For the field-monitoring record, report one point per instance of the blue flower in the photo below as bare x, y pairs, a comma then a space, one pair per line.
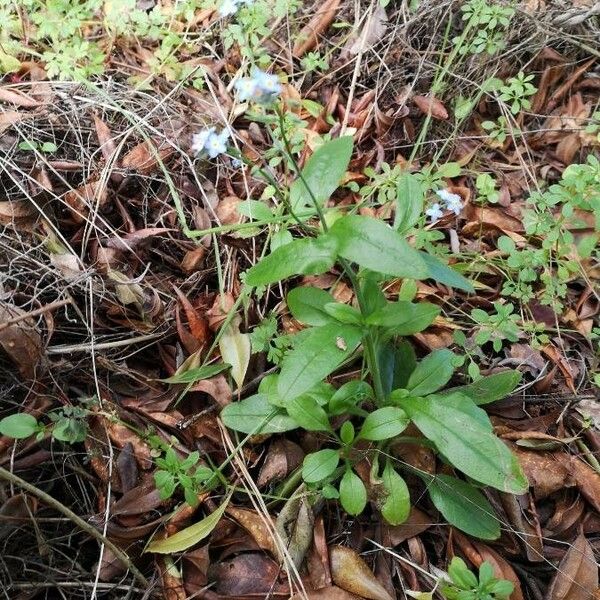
434, 212
453, 201
261, 87
217, 143
199, 140
228, 7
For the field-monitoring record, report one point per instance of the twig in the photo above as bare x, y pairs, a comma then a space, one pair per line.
34, 313
90, 529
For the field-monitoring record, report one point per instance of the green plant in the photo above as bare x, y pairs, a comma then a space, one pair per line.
489, 22
498, 327
593, 127
45, 147
313, 61
486, 189
68, 424
174, 473
498, 130
516, 91
364, 418
464, 585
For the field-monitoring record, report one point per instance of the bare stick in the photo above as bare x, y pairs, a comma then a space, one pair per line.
35, 313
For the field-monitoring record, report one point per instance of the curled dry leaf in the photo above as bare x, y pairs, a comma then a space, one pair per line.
577, 574
350, 572
295, 525
18, 213
145, 157
283, 457
255, 525
21, 340
373, 30
545, 471
309, 36
588, 481
18, 98
89, 196
430, 104
235, 350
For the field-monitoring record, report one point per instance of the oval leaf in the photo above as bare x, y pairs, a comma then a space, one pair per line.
320, 352
235, 349
308, 256
322, 174
409, 202
464, 506
307, 305
405, 318
491, 388
384, 423
433, 372
445, 274
353, 494
308, 414
396, 508
448, 421
375, 245
256, 415
19, 426
319, 465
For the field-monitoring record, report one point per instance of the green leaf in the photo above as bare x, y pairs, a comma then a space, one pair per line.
489, 389
460, 574
308, 414
448, 421
190, 536
353, 494
405, 362
19, 426
307, 305
193, 375
396, 508
445, 274
308, 256
464, 506
256, 415
404, 318
375, 245
253, 209
319, 465
320, 352
348, 396
432, 373
322, 173
384, 423
70, 430
343, 313
409, 202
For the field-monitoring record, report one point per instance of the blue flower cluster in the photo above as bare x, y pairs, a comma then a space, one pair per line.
211, 142
261, 87
452, 202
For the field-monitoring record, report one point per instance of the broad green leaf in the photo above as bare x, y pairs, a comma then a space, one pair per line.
256, 415
464, 506
190, 536
348, 396
315, 357
432, 373
465, 442
236, 349
489, 389
307, 305
319, 465
376, 246
384, 423
19, 426
308, 256
445, 274
396, 508
404, 318
343, 313
322, 173
253, 209
373, 297
409, 202
197, 374
405, 361
70, 430
353, 494
460, 574
308, 414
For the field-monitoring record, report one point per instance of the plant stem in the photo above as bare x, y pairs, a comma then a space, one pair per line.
89, 529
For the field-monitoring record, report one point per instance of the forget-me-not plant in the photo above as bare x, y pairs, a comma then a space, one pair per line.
230, 7
210, 142
261, 87
434, 212
453, 201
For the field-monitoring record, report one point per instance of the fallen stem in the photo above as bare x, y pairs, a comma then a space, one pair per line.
90, 529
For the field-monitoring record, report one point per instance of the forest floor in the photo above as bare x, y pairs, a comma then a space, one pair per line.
299, 299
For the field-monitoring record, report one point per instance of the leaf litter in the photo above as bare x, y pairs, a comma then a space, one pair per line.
101, 222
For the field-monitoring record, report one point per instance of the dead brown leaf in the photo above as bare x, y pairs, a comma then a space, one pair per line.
309, 35
21, 340
146, 156
588, 481
545, 471
85, 198
254, 524
17, 213
577, 574
431, 105
327, 593
282, 458
350, 572
18, 98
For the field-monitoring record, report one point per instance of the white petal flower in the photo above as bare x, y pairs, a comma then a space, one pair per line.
453, 201
246, 88
434, 212
199, 140
217, 143
228, 7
